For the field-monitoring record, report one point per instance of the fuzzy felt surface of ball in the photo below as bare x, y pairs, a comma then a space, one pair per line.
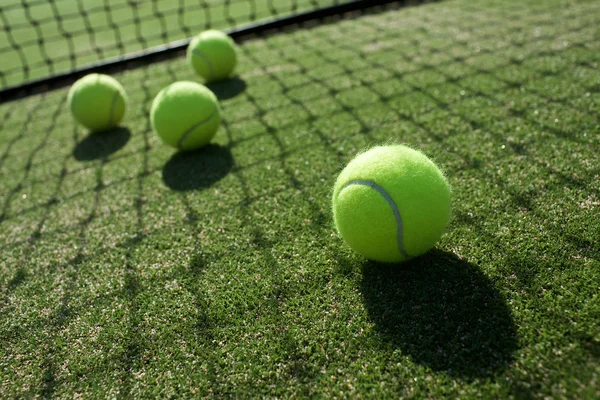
391, 203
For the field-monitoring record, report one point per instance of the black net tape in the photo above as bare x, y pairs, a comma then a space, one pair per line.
42, 38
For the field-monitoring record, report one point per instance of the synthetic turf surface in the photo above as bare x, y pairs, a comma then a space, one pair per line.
127, 269
55, 36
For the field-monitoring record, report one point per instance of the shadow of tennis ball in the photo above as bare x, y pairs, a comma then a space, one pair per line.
101, 144
197, 170
441, 311
228, 88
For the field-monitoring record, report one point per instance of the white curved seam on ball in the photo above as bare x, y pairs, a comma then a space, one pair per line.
194, 127
112, 108
211, 68
393, 206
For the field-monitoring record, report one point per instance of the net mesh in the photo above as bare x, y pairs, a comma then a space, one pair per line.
41, 38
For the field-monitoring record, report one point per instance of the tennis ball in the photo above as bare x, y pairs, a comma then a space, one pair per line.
185, 115
391, 203
97, 102
212, 55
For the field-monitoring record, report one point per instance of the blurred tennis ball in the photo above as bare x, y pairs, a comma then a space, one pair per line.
212, 54
97, 102
185, 115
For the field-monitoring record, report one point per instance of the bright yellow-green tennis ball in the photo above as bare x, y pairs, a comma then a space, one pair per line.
185, 115
391, 203
212, 55
97, 102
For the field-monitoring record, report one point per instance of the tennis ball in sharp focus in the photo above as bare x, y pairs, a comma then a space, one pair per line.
185, 115
212, 55
391, 203
97, 102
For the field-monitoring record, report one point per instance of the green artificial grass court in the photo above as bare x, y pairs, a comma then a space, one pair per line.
129, 270
57, 36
